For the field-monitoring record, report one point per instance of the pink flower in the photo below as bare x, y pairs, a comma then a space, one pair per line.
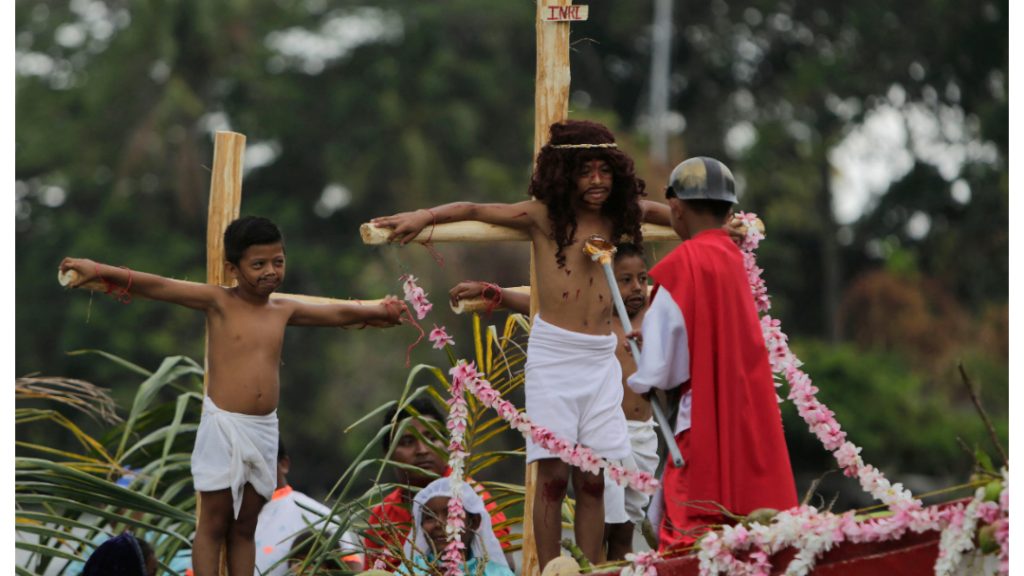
416, 296
463, 372
440, 337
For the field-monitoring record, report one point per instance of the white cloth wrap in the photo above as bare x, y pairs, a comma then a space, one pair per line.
623, 503
485, 545
574, 389
282, 520
234, 449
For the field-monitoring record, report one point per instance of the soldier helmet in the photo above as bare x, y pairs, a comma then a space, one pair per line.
701, 178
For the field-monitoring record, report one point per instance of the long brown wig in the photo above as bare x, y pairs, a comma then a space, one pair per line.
554, 182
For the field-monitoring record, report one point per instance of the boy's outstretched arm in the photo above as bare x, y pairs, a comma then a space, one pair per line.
514, 301
407, 225
190, 294
387, 313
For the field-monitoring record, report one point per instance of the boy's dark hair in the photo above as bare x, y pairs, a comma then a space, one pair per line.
717, 208
627, 249
554, 181
422, 406
249, 231
121, 555
282, 452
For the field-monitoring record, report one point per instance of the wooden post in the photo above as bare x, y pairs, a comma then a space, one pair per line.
225, 200
551, 105
225, 204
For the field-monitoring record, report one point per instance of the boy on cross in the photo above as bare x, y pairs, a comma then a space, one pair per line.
583, 185
235, 457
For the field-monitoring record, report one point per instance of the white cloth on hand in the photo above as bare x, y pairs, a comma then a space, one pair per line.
574, 389
234, 449
665, 360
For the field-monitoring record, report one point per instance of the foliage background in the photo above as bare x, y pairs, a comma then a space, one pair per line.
357, 109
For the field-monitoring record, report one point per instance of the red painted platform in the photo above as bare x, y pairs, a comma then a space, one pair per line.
912, 555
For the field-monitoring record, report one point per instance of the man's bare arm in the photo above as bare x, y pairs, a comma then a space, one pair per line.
514, 301
407, 225
387, 313
190, 294
655, 213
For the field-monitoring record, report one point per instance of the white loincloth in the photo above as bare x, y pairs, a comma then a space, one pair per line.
234, 449
622, 503
574, 388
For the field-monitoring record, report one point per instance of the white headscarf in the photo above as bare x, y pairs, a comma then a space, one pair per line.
484, 546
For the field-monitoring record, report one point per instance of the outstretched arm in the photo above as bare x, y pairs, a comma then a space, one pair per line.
387, 313
655, 213
189, 294
514, 301
407, 225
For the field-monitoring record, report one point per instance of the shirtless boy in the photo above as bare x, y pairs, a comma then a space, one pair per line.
235, 457
582, 186
623, 506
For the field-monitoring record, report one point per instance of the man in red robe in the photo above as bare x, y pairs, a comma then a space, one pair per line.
702, 334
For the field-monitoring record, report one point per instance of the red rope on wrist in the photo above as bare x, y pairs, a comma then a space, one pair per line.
494, 301
121, 294
412, 320
428, 243
124, 296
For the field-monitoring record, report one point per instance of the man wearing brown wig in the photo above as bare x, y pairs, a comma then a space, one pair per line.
582, 185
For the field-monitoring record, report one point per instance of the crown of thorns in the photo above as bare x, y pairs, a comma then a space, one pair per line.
608, 145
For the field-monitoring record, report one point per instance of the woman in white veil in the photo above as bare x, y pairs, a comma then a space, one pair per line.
426, 541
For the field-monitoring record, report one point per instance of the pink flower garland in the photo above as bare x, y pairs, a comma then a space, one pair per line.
457, 416
573, 454
819, 418
812, 532
641, 564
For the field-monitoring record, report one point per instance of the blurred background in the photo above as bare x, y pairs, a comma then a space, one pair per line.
870, 136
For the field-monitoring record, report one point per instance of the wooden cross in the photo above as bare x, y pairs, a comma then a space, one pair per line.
551, 101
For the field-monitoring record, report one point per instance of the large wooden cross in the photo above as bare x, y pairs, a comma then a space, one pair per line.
551, 100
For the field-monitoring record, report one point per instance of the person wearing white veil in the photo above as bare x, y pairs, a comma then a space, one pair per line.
427, 539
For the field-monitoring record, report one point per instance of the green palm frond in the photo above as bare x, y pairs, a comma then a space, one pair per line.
68, 501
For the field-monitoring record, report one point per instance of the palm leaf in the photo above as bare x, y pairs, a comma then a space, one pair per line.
78, 394
116, 359
170, 370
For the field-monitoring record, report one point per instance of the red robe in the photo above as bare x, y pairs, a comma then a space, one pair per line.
736, 450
